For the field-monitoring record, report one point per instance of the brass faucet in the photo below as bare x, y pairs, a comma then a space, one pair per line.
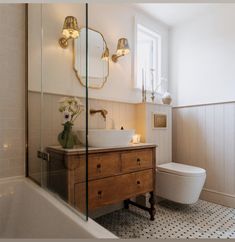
103, 112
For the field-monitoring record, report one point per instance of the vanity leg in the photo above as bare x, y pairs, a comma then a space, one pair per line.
126, 204
152, 210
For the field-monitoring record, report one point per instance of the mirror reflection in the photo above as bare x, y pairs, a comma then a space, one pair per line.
98, 62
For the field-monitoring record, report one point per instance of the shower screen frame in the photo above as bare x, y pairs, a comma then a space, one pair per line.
41, 156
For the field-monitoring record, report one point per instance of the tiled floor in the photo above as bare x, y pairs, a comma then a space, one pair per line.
201, 220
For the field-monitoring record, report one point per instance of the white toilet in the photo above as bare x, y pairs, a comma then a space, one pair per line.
179, 183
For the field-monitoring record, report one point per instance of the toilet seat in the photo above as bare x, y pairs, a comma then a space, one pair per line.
181, 169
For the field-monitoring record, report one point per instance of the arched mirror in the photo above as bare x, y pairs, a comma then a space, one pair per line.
98, 58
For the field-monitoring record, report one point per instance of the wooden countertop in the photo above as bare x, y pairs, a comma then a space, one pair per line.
82, 149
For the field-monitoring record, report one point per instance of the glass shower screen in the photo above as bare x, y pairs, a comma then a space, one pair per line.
57, 102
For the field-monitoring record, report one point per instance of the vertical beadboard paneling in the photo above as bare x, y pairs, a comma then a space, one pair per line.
229, 148
204, 136
201, 138
219, 146
169, 137
175, 131
209, 130
195, 130
183, 138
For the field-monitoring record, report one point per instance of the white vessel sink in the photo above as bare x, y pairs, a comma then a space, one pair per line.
106, 137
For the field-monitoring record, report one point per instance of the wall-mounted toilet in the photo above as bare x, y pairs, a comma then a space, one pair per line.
179, 183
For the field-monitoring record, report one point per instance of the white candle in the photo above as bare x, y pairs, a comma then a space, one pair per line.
136, 139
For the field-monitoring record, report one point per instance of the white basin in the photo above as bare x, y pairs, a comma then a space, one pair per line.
106, 137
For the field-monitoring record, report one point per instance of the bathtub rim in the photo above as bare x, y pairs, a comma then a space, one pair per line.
90, 226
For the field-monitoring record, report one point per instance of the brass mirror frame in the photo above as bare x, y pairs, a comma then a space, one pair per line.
77, 71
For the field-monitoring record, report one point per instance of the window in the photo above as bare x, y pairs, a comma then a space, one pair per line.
148, 59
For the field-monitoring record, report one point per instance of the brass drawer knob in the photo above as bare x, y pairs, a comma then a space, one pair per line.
138, 161
99, 194
138, 182
98, 167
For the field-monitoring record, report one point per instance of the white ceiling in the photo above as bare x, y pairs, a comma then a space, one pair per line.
177, 13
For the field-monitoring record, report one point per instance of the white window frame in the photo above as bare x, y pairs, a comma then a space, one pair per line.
155, 34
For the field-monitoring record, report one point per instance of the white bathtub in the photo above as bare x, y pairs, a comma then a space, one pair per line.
27, 211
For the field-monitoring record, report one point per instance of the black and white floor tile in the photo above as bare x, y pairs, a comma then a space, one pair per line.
201, 220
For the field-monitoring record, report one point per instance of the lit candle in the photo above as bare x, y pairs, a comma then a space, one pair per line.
136, 139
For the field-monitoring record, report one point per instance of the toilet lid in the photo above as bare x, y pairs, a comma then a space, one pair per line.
181, 169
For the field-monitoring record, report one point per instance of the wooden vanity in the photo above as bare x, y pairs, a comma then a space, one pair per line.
114, 175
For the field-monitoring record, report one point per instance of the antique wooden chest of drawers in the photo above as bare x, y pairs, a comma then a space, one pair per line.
114, 175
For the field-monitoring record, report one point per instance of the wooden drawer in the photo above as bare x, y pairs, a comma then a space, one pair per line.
137, 160
143, 181
103, 165
99, 166
113, 189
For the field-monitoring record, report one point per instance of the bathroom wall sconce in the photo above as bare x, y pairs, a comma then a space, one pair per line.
70, 31
122, 49
105, 55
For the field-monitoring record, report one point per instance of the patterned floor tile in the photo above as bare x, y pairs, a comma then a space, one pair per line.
200, 220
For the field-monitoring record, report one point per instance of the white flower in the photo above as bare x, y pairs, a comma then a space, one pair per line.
67, 117
71, 107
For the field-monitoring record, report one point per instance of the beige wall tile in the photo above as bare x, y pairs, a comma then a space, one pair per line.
12, 91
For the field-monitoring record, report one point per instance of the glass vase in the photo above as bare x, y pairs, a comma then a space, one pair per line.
66, 137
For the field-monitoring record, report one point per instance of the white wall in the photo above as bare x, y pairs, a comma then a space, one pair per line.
202, 71
113, 21
202, 55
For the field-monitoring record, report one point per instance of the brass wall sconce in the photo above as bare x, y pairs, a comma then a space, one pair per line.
105, 55
122, 49
70, 31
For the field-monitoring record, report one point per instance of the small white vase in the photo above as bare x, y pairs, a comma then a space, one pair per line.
166, 98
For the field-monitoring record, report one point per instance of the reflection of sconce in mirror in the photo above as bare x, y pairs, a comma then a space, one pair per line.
122, 49
70, 31
105, 55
